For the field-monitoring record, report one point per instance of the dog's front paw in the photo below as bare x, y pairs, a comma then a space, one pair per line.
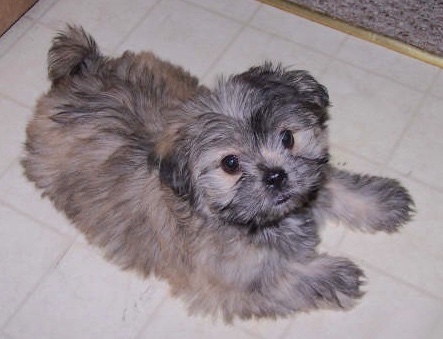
395, 206
337, 286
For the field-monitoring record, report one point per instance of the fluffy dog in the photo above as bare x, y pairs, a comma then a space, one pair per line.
217, 191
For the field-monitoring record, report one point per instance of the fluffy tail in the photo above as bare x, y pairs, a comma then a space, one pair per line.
73, 52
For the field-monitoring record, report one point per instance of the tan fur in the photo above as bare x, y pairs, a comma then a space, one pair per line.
131, 149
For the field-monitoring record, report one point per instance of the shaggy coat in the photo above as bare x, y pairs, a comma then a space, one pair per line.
218, 191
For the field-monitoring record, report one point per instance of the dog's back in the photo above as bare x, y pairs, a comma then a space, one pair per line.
90, 144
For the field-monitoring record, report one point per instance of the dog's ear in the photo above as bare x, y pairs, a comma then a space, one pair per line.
174, 173
277, 82
172, 151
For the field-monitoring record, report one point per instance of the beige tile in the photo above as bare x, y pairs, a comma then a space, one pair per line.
437, 332
172, 321
193, 40
369, 113
23, 67
86, 297
241, 10
267, 328
331, 235
437, 87
252, 48
18, 192
388, 310
12, 132
107, 20
420, 153
27, 252
13, 34
40, 8
396, 66
347, 161
297, 29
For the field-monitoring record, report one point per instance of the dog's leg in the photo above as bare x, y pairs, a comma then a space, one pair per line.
364, 202
327, 282
280, 288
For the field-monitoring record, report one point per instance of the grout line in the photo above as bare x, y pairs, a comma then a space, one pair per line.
46, 226
222, 53
406, 129
151, 317
416, 180
136, 25
286, 39
37, 18
39, 282
208, 9
15, 101
351, 151
399, 280
31, 25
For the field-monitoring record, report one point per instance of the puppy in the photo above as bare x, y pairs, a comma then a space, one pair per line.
218, 191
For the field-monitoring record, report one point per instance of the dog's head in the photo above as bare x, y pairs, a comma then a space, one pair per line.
251, 151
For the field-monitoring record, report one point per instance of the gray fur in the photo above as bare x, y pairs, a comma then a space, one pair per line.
131, 149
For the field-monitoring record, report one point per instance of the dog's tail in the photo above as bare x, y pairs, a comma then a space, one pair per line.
73, 51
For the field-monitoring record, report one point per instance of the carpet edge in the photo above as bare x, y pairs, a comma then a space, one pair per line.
358, 32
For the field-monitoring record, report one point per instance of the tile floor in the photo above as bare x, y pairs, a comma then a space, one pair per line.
387, 118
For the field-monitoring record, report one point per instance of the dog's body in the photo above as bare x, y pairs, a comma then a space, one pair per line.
218, 192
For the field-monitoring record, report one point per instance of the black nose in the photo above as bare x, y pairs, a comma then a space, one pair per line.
275, 177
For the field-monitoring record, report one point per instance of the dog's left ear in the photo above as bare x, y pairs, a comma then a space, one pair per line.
173, 154
278, 82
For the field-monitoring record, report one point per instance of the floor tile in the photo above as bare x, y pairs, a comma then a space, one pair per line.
86, 297
437, 332
172, 321
27, 252
23, 67
12, 132
267, 328
241, 10
420, 153
437, 88
347, 161
384, 62
107, 20
253, 48
40, 8
297, 29
193, 41
367, 116
18, 192
388, 310
13, 34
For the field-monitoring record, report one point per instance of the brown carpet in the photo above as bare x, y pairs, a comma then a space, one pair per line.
416, 23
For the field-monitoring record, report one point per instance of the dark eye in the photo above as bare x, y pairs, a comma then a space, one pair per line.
287, 139
230, 164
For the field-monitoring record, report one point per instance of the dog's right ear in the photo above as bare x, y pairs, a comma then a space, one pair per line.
277, 81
